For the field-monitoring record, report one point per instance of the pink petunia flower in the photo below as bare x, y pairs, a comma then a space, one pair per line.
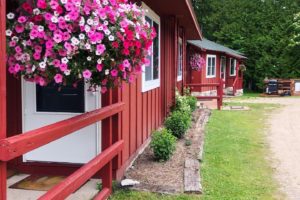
87, 74
100, 49
19, 28
22, 19
58, 78
63, 67
114, 73
99, 67
41, 4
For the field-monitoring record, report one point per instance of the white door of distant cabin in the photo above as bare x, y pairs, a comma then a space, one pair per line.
46, 105
223, 69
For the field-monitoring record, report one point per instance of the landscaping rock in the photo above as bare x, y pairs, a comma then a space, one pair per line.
129, 182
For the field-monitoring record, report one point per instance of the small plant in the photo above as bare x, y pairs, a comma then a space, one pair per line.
163, 144
182, 104
178, 123
188, 142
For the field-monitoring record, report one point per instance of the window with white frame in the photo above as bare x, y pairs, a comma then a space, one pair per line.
151, 73
232, 67
211, 66
180, 60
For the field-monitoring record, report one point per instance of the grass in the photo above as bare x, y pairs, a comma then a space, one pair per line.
235, 165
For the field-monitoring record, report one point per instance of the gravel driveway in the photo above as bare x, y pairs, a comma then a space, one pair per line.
284, 140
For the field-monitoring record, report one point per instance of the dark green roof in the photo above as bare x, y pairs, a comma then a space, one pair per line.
209, 45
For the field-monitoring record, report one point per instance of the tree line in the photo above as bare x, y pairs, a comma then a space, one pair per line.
266, 31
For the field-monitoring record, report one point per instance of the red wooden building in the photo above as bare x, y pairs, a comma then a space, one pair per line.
222, 63
80, 133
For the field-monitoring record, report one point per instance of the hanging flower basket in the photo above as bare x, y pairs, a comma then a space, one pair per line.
243, 68
104, 42
197, 62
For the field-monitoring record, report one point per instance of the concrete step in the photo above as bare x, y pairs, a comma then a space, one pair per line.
87, 191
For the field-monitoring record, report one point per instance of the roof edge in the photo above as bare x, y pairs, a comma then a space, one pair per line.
192, 11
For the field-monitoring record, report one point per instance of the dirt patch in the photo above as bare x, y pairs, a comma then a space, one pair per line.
167, 177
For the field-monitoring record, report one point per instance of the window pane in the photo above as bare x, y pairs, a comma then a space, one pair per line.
213, 66
148, 70
180, 61
209, 67
156, 52
65, 99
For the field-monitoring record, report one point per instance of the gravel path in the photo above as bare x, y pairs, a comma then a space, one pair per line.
284, 140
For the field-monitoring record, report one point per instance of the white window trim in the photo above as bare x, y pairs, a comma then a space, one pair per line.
152, 84
179, 77
234, 71
211, 56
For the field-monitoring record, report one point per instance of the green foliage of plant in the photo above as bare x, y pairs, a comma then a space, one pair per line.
163, 144
178, 123
182, 104
192, 101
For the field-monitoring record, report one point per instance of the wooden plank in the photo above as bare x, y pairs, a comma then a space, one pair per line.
132, 119
20, 144
139, 111
78, 178
144, 116
125, 124
2, 93
149, 121
153, 94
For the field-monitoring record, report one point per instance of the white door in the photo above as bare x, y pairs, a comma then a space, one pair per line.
46, 105
223, 69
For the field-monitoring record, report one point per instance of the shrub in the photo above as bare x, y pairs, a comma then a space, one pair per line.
163, 144
178, 123
192, 102
182, 104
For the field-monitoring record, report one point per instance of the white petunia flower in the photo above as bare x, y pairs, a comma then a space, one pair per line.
111, 38
105, 2
41, 28
31, 24
64, 1
75, 41
64, 60
82, 21
15, 38
96, 23
90, 21
36, 11
81, 36
105, 22
106, 71
87, 28
54, 19
107, 32
42, 65
10, 15
8, 32
89, 58
122, 30
67, 72
99, 61
67, 18
87, 46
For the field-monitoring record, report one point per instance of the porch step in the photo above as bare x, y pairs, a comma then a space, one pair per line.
87, 191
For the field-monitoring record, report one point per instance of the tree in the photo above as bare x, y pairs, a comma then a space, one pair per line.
258, 28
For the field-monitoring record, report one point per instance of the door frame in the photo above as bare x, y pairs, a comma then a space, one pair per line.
225, 67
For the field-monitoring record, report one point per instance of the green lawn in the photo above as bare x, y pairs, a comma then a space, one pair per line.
234, 164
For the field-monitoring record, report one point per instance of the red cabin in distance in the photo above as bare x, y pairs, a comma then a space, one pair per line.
221, 63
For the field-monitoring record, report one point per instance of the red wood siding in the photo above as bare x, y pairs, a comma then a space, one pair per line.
143, 113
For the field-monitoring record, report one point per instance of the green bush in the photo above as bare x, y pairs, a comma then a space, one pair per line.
182, 104
163, 144
192, 101
178, 123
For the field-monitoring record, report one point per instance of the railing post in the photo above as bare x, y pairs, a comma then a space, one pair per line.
106, 171
2, 94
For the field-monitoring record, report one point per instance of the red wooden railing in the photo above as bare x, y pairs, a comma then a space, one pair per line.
18, 145
196, 87
234, 85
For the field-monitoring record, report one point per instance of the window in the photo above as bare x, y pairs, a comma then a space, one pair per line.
180, 60
223, 67
151, 73
211, 66
66, 99
232, 67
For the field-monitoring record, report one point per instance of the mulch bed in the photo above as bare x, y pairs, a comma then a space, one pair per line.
167, 177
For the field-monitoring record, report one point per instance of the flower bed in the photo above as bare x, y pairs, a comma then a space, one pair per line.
104, 42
